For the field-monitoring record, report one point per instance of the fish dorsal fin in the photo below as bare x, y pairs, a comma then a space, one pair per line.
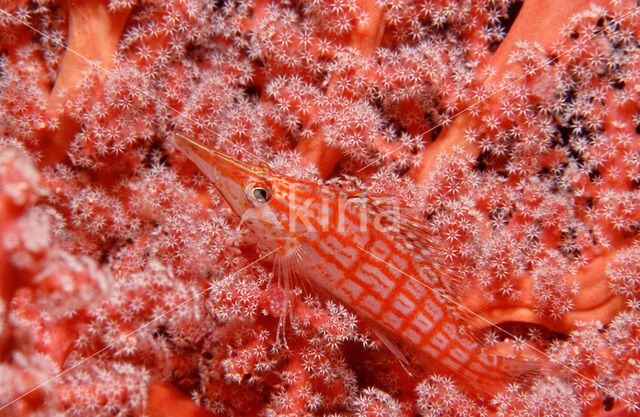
411, 233
414, 235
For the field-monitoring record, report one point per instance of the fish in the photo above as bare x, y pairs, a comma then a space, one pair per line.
364, 252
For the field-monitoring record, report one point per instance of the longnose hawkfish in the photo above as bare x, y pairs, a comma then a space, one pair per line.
373, 261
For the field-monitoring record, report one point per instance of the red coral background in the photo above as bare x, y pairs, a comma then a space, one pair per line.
127, 287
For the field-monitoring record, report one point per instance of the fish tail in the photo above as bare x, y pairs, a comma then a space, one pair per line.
489, 374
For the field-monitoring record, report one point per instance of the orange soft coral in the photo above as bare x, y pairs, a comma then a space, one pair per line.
510, 127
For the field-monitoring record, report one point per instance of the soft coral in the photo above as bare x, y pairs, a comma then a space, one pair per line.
533, 192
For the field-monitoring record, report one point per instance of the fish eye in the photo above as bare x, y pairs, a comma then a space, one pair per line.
258, 193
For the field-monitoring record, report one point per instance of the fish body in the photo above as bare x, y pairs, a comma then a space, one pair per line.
361, 251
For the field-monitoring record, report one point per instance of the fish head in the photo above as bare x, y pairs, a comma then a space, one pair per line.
264, 201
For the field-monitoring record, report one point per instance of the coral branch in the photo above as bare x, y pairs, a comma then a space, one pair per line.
94, 33
164, 400
365, 38
531, 26
595, 301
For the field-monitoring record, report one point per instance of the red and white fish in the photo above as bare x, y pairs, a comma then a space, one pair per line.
353, 247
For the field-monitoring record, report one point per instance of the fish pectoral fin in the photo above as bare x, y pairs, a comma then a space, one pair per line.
286, 270
386, 338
